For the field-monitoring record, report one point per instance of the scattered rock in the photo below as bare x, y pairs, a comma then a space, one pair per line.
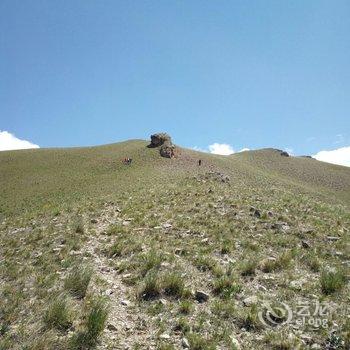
164, 336
125, 302
306, 230
297, 284
213, 176
249, 301
185, 343
280, 226
306, 338
255, 212
94, 221
167, 225
305, 244
333, 238
235, 343
112, 327
109, 292
201, 296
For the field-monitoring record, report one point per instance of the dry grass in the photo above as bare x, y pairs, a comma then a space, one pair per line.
213, 244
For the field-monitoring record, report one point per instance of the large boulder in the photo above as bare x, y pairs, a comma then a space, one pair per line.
159, 139
163, 141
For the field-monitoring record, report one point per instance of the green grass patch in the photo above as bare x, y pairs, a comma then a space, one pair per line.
332, 281
58, 314
77, 281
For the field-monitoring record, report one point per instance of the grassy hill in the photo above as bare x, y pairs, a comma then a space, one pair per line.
164, 254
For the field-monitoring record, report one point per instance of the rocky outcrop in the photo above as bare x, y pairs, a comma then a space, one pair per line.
160, 139
163, 141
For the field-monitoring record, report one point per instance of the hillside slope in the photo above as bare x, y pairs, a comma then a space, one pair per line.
166, 254
44, 178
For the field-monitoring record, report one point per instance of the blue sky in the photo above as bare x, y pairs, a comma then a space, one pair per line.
245, 73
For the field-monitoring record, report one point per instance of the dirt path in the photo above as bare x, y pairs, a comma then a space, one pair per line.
126, 328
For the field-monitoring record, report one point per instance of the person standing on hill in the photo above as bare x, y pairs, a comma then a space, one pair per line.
200, 162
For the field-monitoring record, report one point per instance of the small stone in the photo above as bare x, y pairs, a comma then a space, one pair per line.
125, 302
201, 296
297, 284
164, 336
167, 225
235, 343
307, 230
306, 338
282, 226
185, 343
179, 251
109, 292
305, 244
112, 327
94, 221
126, 223
257, 213
249, 301
315, 346
333, 238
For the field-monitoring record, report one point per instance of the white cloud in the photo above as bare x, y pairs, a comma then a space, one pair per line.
221, 148
9, 141
339, 156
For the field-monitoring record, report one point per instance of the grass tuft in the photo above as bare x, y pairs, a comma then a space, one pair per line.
173, 285
248, 267
226, 287
77, 282
332, 281
281, 263
57, 315
150, 261
151, 288
199, 343
94, 323
186, 307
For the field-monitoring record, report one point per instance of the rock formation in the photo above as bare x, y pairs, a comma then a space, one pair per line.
163, 141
